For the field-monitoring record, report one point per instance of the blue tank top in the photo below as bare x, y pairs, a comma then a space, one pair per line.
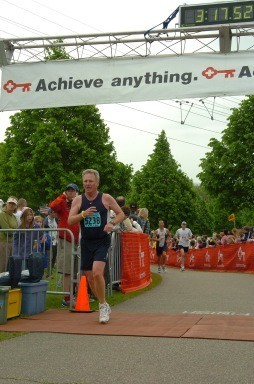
92, 226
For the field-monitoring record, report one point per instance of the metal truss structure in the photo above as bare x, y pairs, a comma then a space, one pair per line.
177, 41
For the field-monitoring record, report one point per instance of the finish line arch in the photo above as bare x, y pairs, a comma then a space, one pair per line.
145, 75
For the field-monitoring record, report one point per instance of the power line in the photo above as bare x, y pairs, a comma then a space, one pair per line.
166, 118
22, 26
193, 113
69, 17
219, 105
232, 99
41, 17
155, 134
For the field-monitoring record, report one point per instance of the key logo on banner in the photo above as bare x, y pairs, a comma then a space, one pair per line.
10, 86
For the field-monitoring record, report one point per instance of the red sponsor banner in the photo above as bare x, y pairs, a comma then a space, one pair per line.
233, 257
135, 256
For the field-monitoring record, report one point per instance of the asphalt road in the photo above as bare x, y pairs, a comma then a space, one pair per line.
79, 359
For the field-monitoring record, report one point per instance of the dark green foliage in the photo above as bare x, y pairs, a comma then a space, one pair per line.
228, 170
45, 149
167, 192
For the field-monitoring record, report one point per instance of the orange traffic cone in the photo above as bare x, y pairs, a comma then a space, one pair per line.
82, 301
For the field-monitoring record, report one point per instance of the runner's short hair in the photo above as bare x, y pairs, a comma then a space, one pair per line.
93, 171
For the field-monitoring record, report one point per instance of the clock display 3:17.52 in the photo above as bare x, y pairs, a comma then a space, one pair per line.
216, 13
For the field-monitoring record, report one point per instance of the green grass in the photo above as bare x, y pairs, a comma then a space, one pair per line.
119, 297
54, 301
10, 335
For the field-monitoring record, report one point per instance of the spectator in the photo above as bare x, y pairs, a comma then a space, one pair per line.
145, 224
25, 242
217, 238
62, 206
126, 224
204, 241
193, 244
211, 242
174, 244
44, 240
50, 222
136, 226
133, 213
251, 239
200, 243
120, 201
248, 231
22, 203
227, 238
7, 221
1, 205
91, 210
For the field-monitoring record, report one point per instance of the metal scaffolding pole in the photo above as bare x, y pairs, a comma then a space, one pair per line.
177, 41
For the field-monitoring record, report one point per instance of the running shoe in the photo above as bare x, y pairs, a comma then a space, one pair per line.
104, 312
159, 270
182, 269
164, 270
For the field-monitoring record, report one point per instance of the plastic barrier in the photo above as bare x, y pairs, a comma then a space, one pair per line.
4, 295
135, 256
233, 257
33, 297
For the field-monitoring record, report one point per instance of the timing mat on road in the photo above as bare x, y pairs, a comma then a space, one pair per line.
219, 327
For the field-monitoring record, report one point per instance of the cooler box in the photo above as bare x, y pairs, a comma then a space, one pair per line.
4, 293
33, 297
14, 303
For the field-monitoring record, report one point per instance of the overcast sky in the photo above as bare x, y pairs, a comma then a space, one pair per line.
133, 127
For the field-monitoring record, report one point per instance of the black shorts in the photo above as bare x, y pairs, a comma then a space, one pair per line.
160, 250
186, 249
94, 250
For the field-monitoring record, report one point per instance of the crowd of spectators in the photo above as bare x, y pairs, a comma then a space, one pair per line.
136, 220
225, 237
15, 214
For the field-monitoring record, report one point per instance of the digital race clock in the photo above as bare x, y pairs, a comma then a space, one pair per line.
216, 13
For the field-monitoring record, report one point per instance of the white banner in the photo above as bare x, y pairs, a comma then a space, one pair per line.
103, 81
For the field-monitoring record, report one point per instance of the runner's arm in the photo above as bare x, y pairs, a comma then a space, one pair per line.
112, 204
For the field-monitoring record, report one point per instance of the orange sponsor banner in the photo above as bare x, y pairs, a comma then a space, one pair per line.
135, 258
233, 257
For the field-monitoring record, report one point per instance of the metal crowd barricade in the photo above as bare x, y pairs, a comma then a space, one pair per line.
52, 275
10, 245
113, 270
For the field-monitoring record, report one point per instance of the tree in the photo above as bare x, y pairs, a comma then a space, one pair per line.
167, 192
45, 149
228, 170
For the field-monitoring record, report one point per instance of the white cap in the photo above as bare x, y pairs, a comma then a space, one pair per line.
12, 200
